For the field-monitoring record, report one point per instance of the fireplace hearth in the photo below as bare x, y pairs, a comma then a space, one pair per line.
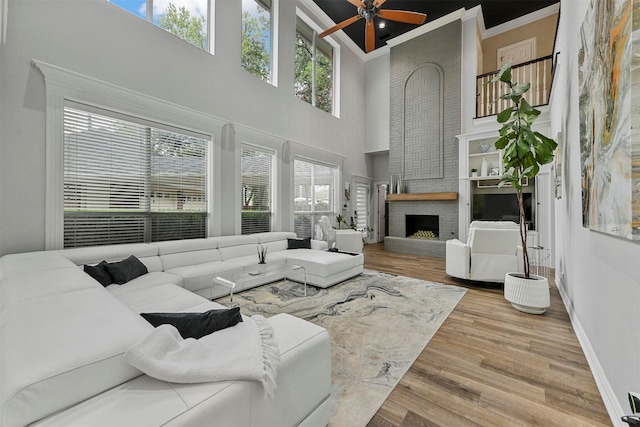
426, 227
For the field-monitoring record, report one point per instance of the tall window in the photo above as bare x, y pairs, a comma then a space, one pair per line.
256, 190
313, 68
314, 195
126, 181
187, 19
257, 39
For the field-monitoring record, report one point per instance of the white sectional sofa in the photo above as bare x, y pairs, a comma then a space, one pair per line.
63, 336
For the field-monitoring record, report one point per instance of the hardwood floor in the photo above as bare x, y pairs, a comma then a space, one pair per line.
490, 365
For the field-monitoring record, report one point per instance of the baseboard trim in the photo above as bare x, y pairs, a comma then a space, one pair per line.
608, 396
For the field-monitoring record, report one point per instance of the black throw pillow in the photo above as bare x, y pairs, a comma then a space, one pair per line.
99, 273
125, 270
196, 325
299, 243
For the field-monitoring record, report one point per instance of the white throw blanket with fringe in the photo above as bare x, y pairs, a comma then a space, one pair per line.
246, 351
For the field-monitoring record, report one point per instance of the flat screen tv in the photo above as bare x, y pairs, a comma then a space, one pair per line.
502, 207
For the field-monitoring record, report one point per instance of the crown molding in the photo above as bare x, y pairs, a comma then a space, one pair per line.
323, 19
518, 22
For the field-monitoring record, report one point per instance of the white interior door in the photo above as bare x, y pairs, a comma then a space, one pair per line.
517, 53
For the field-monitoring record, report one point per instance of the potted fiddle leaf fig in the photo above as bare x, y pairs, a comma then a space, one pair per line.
524, 152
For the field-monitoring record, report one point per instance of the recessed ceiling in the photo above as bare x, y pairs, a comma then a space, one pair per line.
495, 12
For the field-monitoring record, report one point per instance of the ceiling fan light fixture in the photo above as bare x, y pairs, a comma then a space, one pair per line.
369, 9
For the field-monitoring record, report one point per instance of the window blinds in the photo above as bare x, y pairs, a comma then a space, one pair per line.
314, 189
362, 206
256, 190
127, 182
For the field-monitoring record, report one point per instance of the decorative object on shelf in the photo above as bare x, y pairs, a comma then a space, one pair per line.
494, 171
396, 184
340, 220
483, 147
474, 173
484, 170
527, 292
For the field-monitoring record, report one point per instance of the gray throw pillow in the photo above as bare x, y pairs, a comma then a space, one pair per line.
196, 325
125, 270
99, 273
299, 243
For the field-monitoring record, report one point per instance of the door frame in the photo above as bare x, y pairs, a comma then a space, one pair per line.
531, 41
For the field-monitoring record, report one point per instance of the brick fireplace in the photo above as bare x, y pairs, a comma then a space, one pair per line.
426, 160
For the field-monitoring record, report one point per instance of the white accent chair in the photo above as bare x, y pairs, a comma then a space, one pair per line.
349, 241
328, 233
343, 240
491, 252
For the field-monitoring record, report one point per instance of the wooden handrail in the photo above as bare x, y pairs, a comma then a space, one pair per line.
539, 72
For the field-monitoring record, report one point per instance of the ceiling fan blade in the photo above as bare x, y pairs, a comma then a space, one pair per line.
379, 3
370, 38
356, 3
416, 18
340, 26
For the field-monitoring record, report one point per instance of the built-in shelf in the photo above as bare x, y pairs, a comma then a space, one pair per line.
451, 195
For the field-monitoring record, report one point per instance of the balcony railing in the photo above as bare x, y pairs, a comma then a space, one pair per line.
537, 72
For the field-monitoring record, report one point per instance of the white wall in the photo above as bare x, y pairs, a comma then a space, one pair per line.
103, 41
378, 103
599, 274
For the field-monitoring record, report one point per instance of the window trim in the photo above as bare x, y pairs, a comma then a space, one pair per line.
210, 22
246, 136
63, 85
272, 180
274, 12
336, 59
337, 188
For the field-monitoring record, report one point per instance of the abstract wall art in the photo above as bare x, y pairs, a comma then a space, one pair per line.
609, 107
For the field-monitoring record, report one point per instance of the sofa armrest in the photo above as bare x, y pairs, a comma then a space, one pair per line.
458, 259
319, 245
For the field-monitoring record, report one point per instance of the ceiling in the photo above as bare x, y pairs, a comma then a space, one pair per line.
495, 12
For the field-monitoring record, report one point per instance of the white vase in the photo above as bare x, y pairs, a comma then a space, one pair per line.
484, 170
527, 295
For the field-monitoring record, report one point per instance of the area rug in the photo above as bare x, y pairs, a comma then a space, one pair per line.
378, 323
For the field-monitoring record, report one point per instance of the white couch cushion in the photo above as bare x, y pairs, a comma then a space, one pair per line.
145, 401
225, 241
109, 253
180, 253
273, 236
230, 252
58, 350
321, 263
31, 262
21, 288
160, 299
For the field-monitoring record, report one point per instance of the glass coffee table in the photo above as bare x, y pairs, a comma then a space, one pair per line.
235, 279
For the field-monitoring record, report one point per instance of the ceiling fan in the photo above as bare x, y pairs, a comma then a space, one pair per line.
369, 9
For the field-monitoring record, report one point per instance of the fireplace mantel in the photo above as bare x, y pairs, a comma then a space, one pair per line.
451, 195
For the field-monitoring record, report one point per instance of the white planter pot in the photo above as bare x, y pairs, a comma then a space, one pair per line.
527, 295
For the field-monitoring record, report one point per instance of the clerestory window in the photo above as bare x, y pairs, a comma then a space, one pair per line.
314, 68
187, 19
258, 29
131, 181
